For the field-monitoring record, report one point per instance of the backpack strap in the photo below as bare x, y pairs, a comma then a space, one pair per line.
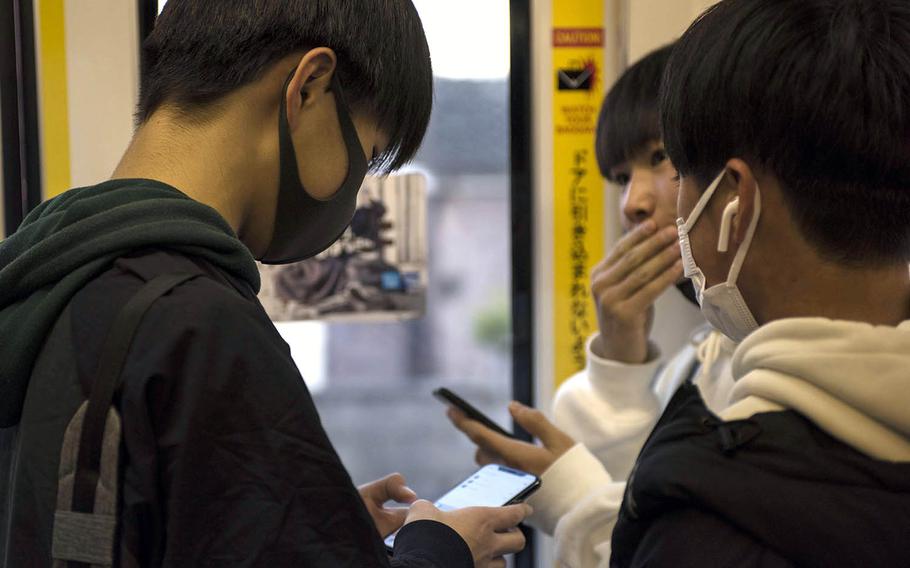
82, 538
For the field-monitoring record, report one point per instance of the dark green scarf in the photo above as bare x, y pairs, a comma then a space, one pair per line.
69, 240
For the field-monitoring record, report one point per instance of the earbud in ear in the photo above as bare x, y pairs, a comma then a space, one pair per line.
726, 225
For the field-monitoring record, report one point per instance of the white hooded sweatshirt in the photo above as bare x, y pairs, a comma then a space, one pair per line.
851, 379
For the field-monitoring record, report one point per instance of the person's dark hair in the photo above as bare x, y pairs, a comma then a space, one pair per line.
201, 50
629, 117
816, 92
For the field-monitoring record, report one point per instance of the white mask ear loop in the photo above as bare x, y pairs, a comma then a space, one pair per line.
744, 247
703, 202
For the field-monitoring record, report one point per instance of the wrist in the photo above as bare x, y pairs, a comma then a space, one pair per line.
564, 485
430, 540
624, 347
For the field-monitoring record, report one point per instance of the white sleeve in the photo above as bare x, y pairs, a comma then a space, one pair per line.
611, 408
578, 503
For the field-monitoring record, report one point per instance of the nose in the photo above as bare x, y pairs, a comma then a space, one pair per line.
638, 202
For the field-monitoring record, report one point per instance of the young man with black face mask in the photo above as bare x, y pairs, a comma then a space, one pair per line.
788, 121
603, 414
258, 122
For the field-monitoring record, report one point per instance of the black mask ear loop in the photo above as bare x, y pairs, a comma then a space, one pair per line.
357, 160
358, 164
305, 226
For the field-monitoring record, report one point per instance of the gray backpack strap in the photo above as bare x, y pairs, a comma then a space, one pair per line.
85, 523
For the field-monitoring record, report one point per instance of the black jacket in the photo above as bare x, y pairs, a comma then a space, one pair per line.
770, 491
224, 459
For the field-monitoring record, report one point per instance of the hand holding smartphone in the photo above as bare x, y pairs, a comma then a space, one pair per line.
491, 486
448, 397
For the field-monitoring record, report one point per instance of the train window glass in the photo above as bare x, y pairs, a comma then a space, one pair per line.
374, 380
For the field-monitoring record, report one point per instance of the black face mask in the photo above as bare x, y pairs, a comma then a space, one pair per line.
687, 289
305, 226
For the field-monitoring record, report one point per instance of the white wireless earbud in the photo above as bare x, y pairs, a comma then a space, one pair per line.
726, 225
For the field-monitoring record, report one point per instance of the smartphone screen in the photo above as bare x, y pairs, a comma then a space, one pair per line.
491, 486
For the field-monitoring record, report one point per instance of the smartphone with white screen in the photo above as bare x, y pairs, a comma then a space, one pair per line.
491, 486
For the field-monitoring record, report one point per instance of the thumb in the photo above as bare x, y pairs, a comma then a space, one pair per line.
397, 490
403, 494
538, 426
505, 518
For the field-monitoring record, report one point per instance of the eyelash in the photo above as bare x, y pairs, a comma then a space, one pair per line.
658, 157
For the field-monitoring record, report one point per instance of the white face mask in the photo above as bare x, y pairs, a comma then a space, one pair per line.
722, 305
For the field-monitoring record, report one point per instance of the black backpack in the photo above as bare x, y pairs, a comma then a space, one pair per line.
86, 521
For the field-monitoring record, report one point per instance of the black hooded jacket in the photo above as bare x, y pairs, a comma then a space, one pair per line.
224, 459
770, 491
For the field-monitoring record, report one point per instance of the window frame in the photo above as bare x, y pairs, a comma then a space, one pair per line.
21, 140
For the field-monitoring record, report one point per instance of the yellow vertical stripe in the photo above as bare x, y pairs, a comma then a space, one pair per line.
51, 62
578, 198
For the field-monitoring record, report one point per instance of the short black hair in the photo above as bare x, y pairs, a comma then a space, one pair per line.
629, 117
816, 92
201, 50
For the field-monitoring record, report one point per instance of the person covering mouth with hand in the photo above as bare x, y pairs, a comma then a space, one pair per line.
603, 415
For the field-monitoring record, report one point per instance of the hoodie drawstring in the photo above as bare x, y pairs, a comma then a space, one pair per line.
708, 353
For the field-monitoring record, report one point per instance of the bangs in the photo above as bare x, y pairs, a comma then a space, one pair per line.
622, 135
629, 118
202, 50
403, 101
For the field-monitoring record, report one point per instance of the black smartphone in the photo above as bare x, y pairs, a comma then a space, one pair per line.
448, 397
491, 486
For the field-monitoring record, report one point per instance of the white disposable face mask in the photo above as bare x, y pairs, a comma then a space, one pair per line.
722, 305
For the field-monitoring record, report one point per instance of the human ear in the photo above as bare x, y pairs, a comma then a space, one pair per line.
310, 82
739, 215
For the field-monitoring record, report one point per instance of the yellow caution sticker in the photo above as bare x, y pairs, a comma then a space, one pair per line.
578, 89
